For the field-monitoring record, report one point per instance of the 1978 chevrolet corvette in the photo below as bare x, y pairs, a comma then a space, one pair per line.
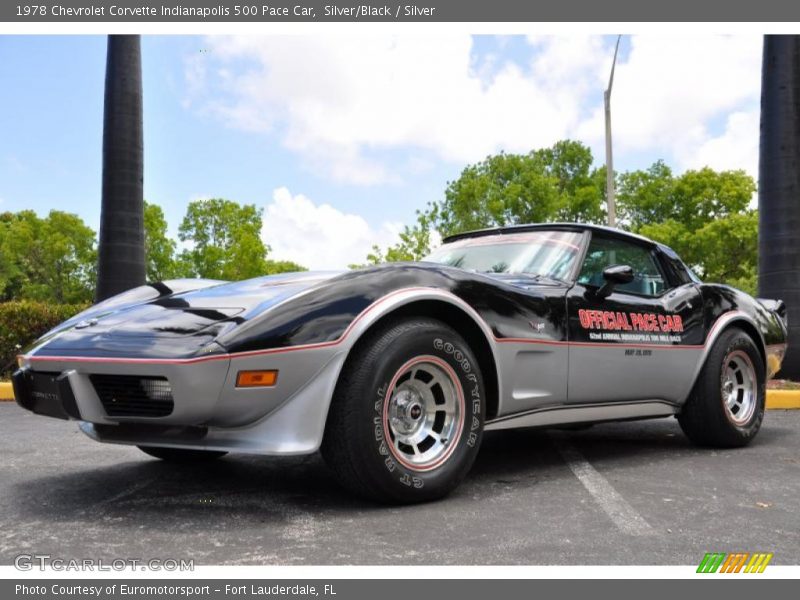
395, 371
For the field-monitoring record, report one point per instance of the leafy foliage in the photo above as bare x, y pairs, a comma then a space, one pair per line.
21, 323
551, 184
415, 241
51, 259
226, 240
159, 248
274, 267
692, 199
703, 214
54, 259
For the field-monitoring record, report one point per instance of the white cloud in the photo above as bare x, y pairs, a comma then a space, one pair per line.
735, 148
319, 236
343, 102
669, 90
339, 100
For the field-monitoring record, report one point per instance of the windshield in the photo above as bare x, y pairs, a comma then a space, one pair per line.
550, 254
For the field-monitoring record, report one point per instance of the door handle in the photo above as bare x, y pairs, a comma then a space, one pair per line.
683, 306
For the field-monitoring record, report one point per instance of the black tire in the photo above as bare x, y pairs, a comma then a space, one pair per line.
362, 447
180, 455
704, 418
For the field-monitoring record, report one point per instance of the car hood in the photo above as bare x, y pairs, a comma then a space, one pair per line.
176, 323
246, 298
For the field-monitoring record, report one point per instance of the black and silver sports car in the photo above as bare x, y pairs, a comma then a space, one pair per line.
395, 371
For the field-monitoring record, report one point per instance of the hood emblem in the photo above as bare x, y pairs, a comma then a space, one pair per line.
85, 324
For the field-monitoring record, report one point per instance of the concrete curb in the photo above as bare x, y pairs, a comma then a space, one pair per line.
6, 392
780, 399
776, 399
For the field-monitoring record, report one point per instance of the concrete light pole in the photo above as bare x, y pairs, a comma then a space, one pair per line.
610, 201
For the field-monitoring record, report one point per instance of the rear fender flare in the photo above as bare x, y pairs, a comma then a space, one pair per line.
722, 324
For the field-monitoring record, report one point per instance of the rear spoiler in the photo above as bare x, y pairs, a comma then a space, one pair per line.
776, 306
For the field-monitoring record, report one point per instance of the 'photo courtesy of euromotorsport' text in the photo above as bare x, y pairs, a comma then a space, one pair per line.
393, 297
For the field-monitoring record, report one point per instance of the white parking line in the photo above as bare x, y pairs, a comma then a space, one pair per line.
615, 506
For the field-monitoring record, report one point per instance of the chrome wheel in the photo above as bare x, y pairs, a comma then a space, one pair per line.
739, 387
423, 413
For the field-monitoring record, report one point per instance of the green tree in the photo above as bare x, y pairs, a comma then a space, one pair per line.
641, 196
159, 248
703, 215
415, 241
9, 264
727, 250
551, 184
51, 259
722, 250
225, 238
692, 199
274, 267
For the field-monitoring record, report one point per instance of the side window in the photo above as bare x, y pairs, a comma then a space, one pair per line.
679, 272
648, 279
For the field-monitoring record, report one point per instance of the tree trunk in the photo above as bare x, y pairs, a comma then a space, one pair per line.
121, 263
779, 185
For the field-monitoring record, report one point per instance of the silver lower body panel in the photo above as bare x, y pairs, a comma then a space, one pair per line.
590, 413
210, 412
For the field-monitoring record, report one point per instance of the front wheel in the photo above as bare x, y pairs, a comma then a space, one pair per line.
407, 416
180, 455
726, 407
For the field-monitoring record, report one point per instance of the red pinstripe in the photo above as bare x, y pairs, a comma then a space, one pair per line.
347, 331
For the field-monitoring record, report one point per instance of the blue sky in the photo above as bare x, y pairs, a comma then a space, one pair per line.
340, 139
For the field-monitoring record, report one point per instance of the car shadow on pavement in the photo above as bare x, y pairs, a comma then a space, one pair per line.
620, 443
241, 490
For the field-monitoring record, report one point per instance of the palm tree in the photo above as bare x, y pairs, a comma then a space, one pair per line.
779, 185
121, 263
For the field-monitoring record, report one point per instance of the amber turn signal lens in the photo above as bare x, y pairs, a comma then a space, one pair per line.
256, 378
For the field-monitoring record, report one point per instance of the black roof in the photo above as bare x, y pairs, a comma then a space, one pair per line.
558, 226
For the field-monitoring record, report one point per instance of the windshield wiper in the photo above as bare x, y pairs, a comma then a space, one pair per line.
540, 277
534, 277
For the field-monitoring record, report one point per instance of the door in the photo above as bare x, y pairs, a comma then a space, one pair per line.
640, 342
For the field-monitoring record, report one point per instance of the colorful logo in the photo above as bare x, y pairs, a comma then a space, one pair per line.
736, 562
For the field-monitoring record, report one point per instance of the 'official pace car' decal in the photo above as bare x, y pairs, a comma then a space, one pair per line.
606, 325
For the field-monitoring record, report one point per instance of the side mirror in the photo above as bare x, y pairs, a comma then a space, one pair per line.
614, 275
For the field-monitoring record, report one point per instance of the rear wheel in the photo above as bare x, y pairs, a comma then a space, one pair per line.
407, 416
180, 455
726, 407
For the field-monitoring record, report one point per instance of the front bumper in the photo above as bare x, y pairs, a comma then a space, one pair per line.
209, 411
46, 394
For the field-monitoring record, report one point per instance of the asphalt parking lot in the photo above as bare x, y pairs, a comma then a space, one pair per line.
626, 493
